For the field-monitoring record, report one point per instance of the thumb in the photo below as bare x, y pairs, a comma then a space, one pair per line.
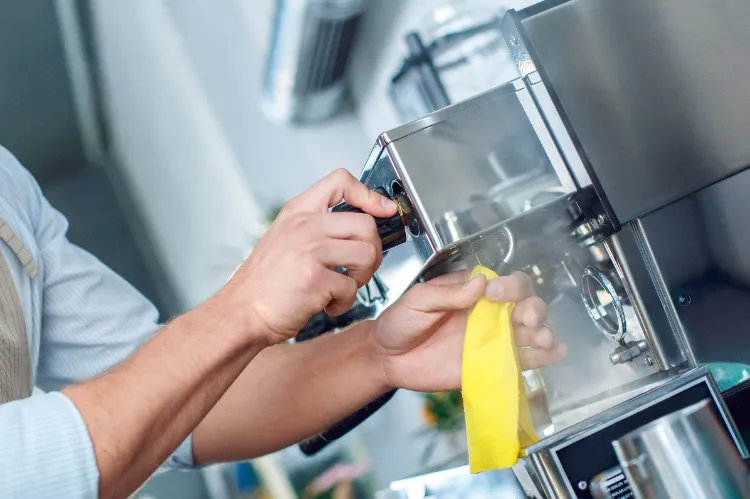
436, 298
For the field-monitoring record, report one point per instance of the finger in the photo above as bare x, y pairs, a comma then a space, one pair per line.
533, 358
343, 186
534, 337
342, 291
431, 298
354, 226
360, 259
510, 288
451, 278
531, 312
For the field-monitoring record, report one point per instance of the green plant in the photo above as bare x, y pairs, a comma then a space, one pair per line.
443, 413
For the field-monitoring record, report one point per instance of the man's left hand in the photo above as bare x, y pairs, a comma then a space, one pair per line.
420, 338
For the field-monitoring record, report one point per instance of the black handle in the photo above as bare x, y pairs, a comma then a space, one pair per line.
317, 443
392, 230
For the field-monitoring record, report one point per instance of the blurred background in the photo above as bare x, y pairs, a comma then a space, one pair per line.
169, 132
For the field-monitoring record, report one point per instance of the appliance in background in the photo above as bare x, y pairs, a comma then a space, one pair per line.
39, 124
305, 76
458, 52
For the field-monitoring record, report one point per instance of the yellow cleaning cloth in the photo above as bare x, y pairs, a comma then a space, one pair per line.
498, 420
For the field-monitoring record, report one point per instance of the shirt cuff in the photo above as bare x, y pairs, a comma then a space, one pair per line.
181, 459
46, 450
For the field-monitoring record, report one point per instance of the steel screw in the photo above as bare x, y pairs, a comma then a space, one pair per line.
583, 485
649, 361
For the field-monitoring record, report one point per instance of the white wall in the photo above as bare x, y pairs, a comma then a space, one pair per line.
182, 82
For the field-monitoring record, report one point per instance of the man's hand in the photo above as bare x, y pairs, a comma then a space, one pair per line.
420, 337
290, 274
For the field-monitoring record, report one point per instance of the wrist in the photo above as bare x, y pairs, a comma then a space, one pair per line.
376, 356
233, 319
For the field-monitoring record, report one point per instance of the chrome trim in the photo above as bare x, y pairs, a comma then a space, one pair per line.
449, 112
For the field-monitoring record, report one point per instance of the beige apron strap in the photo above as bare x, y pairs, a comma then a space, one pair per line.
14, 242
15, 365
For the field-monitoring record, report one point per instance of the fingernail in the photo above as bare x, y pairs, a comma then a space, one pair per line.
495, 289
468, 283
471, 281
388, 204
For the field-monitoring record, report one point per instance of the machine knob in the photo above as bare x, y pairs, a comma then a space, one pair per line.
626, 352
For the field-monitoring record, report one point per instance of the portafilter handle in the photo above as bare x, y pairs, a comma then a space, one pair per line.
392, 230
315, 444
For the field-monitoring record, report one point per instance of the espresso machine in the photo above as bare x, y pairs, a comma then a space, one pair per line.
614, 171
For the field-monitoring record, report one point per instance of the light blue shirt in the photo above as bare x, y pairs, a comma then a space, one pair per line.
81, 319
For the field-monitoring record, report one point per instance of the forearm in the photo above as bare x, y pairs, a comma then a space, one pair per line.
138, 413
290, 392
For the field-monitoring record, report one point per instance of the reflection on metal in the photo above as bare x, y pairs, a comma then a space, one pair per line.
599, 296
449, 229
540, 198
685, 455
458, 53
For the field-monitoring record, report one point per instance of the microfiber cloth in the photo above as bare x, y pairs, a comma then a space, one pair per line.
498, 420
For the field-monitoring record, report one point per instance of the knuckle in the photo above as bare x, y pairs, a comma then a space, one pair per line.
298, 221
521, 282
522, 277
536, 312
341, 175
289, 208
416, 292
352, 287
309, 274
369, 224
370, 254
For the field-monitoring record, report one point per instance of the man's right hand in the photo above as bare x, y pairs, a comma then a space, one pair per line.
290, 274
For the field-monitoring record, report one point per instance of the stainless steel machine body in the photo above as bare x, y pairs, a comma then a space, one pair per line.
613, 172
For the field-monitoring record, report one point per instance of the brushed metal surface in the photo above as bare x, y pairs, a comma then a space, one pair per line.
655, 90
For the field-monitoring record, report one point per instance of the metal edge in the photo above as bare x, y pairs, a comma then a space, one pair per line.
375, 153
550, 476
429, 230
652, 267
521, 48
549, 142
734, 431
448, 112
